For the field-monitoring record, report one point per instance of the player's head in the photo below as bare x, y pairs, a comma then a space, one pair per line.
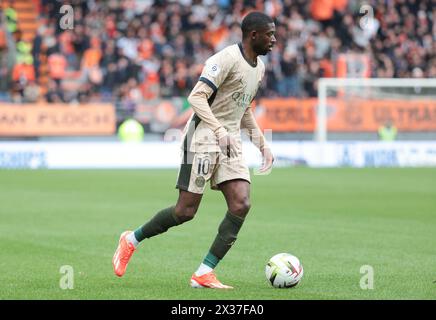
258, 29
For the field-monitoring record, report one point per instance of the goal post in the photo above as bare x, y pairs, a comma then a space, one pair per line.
377, 93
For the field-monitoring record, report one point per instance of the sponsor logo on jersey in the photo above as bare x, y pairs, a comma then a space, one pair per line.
242, 99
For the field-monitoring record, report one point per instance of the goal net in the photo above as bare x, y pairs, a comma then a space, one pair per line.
358, 108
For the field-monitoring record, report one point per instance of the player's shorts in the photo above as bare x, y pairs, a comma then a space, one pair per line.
199, 168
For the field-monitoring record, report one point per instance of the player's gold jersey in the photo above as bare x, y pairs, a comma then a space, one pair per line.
235, 82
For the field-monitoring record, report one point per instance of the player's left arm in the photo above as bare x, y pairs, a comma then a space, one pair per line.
249, 123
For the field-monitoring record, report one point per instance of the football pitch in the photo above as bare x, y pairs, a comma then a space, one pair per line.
359, 233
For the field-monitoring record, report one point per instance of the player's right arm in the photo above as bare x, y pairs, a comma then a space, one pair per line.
214, 73
198, 99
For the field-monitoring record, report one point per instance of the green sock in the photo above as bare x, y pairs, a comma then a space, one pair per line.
211, 260
160, 223
226, 237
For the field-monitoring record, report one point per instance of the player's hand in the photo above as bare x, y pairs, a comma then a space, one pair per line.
228, 146
268, 160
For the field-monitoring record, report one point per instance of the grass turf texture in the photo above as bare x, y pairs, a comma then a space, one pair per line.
334, 220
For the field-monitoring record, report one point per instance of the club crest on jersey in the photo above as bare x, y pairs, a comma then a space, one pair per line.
213, 70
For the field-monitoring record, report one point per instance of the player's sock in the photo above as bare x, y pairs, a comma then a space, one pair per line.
160, 223
226, 237
203, 269
209, 263
132, 239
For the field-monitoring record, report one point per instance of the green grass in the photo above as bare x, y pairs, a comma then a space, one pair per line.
334, 220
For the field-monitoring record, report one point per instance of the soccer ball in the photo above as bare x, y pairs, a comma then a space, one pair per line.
284, 270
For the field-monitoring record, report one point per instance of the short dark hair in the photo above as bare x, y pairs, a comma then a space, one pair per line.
254, 21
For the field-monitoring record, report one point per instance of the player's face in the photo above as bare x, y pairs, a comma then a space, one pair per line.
265, 39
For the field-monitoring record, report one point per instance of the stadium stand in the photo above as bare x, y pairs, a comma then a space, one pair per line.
128, 50
143, 57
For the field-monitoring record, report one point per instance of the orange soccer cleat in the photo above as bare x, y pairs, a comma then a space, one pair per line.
207, 280
122, 255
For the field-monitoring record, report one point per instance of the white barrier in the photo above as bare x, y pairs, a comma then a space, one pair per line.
117, 155
357, 154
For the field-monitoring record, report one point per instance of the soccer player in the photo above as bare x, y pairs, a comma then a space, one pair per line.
212, 148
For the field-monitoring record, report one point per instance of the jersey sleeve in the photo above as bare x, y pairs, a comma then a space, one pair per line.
249, 122
216, 70
199, 102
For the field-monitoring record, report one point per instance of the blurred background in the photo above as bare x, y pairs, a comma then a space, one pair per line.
100, 72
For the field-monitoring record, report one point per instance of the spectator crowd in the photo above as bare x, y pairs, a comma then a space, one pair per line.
128, 51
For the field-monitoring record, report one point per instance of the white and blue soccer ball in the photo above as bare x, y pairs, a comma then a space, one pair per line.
284, 270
